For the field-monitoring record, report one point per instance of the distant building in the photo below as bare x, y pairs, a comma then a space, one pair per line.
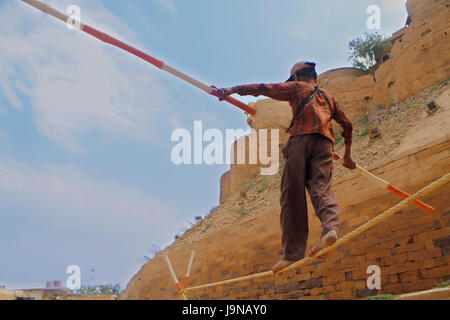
53, 290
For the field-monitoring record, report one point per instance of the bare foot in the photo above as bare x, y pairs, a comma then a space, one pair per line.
281, 265
327, 240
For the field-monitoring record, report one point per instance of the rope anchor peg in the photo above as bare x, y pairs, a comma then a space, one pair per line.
388, 186
181, 290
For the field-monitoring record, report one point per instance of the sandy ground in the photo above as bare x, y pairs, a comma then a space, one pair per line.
420, 134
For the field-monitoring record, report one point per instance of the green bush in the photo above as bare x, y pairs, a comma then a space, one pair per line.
363, 120
363, 132
366, 52
339, 140
443, 284
207, 227
242, 212
382, 297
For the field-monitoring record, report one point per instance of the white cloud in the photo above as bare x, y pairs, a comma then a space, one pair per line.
76, 83
394, 7
168, 5
300, 33
175, 123
393, 15
66, 195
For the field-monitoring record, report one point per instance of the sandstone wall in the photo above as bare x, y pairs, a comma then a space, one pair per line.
5, 295
281, 112
351, 88
418, 56
412, 248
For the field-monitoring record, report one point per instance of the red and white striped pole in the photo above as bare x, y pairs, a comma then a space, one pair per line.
175, 280
188, 272
386, 185
156, 62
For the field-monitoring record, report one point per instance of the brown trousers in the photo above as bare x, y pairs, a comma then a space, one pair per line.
309, 163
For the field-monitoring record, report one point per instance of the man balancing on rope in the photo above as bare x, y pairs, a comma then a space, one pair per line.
309, 158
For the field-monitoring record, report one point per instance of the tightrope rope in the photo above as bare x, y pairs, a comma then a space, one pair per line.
424, 191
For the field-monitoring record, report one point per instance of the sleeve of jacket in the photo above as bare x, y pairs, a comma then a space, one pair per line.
344, 121
277, 91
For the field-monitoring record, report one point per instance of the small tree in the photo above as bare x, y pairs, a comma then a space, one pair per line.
365, 53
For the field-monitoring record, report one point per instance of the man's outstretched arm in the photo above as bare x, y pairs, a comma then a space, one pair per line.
277, 91
347, 126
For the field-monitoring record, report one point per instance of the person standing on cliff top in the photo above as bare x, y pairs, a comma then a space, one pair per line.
309, 158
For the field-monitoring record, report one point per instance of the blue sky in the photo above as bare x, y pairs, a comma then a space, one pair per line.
85, 170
